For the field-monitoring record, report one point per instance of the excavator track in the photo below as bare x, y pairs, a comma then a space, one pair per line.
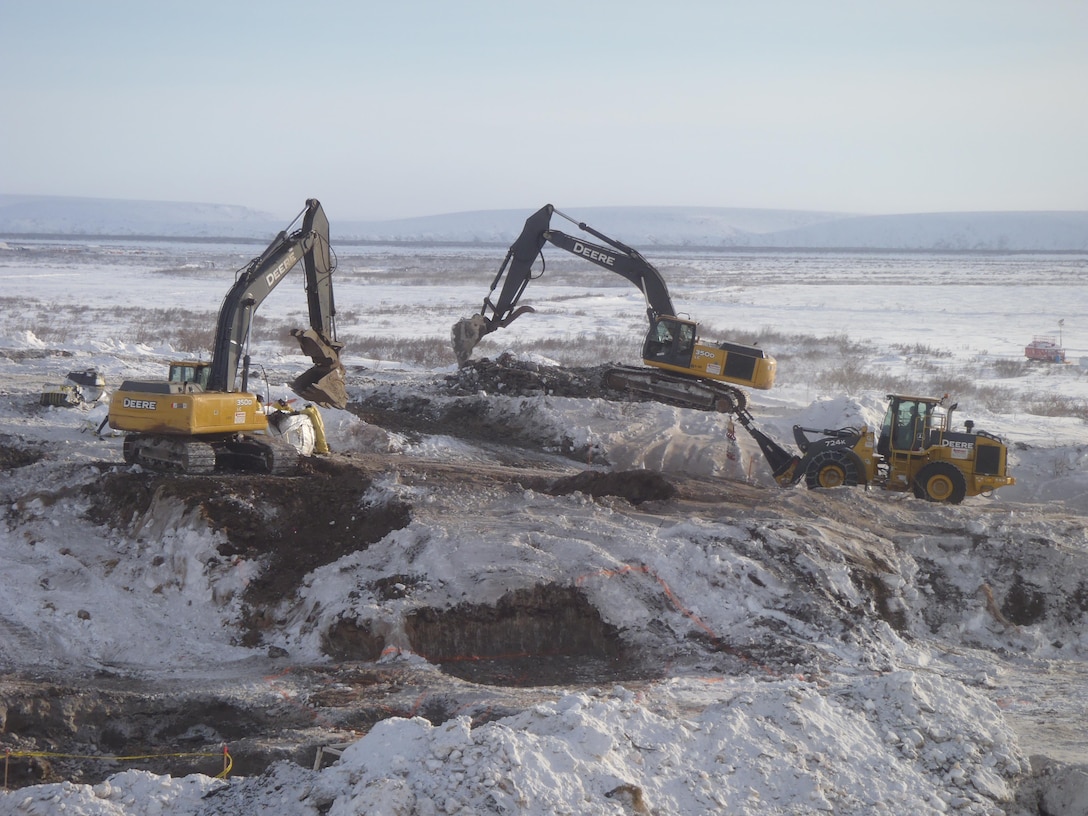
262, 453
683, 392
253, 453
169, 453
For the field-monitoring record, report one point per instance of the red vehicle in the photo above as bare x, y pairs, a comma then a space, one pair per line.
1046, 349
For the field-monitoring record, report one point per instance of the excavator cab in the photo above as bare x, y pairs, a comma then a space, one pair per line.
205, 416
190, 373
673, 345
671, 340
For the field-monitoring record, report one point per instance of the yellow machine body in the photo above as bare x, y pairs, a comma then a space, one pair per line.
673, 345
179, 409
917, 449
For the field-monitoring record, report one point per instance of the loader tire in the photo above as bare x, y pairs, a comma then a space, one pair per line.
940, 482
833, 469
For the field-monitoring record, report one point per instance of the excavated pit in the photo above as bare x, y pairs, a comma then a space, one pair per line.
97, 730
543, 635
15, 454
293, 525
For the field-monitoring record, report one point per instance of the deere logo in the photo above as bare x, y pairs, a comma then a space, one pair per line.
594, 254
143, 405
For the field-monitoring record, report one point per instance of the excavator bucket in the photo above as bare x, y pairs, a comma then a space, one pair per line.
323, 384
466, 334
468, 331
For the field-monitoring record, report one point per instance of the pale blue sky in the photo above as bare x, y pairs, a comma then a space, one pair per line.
402, 108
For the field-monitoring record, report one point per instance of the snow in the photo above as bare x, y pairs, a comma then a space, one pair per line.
941, 718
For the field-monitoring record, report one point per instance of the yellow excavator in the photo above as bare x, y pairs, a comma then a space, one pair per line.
680, 368
201, 418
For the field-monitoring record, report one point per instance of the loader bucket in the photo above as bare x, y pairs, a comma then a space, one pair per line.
323, 384
783, 463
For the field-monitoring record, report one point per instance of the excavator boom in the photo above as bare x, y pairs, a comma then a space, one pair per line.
323, 384
517, 270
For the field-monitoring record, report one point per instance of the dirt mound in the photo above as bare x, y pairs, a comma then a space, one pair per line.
510, 376
636, 486
294, 525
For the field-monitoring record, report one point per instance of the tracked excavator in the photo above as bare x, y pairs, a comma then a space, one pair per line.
202, 418
680, 368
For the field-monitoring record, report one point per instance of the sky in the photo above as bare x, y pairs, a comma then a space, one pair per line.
424, 107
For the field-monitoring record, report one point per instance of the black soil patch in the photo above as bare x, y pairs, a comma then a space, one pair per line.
636, 486
540, 636
353, 640
294, 525
1025, 604
506, 375
15, 455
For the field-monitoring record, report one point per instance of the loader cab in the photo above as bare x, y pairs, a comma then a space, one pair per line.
671, 341
911, 424
191, 373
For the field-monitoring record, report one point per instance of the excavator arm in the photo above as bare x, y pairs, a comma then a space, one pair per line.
322, 384
517, 270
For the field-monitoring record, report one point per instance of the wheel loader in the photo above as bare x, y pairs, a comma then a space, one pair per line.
916, 449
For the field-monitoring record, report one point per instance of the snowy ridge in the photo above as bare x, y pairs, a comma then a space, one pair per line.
722, 227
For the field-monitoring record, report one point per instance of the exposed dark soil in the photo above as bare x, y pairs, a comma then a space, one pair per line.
506, 375
17, 454
100, 718
637, 486
294, 525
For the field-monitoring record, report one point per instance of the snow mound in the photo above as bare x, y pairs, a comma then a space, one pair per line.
904, 742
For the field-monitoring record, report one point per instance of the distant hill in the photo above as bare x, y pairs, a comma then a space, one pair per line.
57, 215
638, 226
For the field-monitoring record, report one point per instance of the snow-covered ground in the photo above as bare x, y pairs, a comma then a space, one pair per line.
810, 697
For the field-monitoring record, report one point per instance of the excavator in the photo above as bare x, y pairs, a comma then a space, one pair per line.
680, 369
201, 418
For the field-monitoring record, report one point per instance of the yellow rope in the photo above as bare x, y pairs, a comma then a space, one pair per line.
228, 760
